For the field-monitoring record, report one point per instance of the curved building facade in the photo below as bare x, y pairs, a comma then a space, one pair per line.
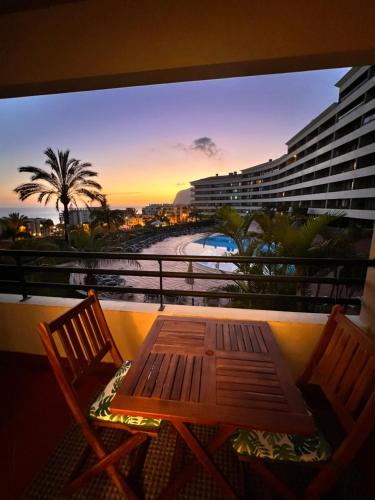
329, 164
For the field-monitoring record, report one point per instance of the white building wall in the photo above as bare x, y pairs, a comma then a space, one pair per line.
330, 163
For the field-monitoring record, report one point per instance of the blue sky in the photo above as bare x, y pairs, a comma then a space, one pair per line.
140, 139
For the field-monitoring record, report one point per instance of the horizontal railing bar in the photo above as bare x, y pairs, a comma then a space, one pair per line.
322, 300
193, 275
189, 258
194, 293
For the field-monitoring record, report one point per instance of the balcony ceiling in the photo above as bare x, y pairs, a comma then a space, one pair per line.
57, 46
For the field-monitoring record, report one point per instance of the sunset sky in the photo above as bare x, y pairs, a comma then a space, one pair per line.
140, 140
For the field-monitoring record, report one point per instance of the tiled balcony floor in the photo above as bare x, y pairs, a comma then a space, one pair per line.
35, 419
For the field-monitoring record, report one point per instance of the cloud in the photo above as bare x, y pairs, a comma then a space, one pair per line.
203, 145
181, 183
206, 145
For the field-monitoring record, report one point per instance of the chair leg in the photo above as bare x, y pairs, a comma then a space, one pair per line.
137, 460
106, 462
322, 482
271, 480
120, 483
178, 454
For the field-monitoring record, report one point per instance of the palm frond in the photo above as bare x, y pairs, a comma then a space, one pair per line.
82, 182
46, 193
53, 162
24, 191
38, 174
92, 195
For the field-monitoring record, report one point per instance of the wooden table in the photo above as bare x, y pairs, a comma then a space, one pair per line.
216, 372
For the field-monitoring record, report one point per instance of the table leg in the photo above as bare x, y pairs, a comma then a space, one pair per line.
202, 456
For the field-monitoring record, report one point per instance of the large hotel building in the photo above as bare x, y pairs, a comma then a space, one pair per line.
329, 166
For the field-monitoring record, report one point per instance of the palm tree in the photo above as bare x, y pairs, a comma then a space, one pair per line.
95, 241
68, 181
104, 216
12, 224
282, 236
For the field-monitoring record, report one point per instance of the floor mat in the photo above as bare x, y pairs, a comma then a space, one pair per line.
157, 469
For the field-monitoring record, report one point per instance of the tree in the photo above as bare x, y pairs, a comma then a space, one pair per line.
95, 241
13, 223
104, 216
282, 235
67, 182
48, 224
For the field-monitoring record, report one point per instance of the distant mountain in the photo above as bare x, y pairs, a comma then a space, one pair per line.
183, 197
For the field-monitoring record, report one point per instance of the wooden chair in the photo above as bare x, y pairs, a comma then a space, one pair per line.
83, 337
343, 366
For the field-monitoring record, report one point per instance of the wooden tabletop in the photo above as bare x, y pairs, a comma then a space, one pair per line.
213, 371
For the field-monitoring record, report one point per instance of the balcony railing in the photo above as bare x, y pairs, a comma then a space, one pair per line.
17, 265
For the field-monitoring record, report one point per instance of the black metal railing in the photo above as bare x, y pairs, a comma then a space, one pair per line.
17, 265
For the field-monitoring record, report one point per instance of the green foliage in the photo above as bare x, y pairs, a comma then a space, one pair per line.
36, 244
11, 224
95, 241
281, 235
104, 216
84, 241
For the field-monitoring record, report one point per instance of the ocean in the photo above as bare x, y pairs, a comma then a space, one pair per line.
39, 211
42, 212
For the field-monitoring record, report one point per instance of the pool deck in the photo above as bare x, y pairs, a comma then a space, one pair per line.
170, 246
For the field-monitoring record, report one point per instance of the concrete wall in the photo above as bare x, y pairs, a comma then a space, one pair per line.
296, 333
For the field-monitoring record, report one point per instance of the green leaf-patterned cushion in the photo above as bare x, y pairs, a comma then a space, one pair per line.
100, 407
284, 447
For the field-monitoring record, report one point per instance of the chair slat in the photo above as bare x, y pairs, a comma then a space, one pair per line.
89, 331
79, 354
365, 382
343, 362
69, 351
71, 313
82, 335
99, 336
100, 319
327, 362
351, 374
106, 332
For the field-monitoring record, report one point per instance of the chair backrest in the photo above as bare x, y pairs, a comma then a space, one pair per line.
76, 342
343, 364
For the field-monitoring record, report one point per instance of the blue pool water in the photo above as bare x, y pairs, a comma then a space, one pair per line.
218, 240
221, 241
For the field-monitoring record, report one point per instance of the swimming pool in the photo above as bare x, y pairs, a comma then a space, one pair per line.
213, 245
221, 245
218, 241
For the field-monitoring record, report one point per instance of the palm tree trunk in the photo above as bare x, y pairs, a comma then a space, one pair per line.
66, 223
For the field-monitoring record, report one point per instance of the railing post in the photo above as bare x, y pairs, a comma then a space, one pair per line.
22, 279
337, 273
162, 307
